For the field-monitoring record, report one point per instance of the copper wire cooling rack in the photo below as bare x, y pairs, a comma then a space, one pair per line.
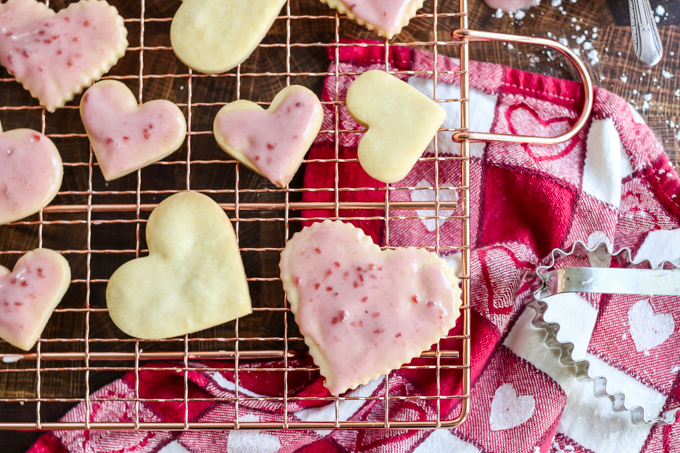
98, 226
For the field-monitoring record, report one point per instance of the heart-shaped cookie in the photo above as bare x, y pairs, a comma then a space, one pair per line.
214, 36
272, 142
56, 55
30, 173
401, 123
125, 136
29, 294
363, 311
385, 17
192, 279
511, 6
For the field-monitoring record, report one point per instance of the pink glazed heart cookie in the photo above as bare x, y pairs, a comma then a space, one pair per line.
30, 173
385, 17
363, 311
29, 294
124, 136
56, 55
273, 142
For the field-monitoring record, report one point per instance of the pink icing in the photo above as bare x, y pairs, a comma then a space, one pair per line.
364, 308
511, 5
53, 53
30, 173
126, 137
27, 294
272, 141
385, 14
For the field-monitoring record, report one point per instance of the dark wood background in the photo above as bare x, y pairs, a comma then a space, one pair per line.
617, 70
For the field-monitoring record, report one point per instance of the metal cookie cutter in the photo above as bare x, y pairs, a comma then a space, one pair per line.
628, 278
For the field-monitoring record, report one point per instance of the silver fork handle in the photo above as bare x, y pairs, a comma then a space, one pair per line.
646, 41
611, 281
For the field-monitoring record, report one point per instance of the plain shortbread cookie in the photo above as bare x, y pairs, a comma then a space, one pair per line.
401, 123
192, 279
214, 36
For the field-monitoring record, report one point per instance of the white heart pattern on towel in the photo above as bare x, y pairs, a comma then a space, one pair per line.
647, 328
429, 195
509, 410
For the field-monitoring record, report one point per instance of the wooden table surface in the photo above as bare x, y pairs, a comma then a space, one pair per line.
602, 26
598, 28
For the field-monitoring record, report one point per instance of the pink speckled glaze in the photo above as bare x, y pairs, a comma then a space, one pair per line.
385, 14
55, 54
30, 173
272, 140
511, 5
365, 309
124, 136
28, 293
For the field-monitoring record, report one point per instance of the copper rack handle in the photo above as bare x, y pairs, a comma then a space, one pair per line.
474, 35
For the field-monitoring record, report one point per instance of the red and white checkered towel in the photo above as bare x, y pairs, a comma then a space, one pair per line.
612, 183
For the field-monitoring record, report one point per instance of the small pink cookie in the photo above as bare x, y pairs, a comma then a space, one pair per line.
363, 311
385, 17
30, 173
56, 55
273, 142
125, 136
511, 5
29, 295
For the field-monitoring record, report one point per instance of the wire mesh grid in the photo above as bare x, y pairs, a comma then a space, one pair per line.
99, 225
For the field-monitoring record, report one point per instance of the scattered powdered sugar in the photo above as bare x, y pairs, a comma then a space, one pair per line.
578, 34
12, 358
594, 57
660, 14
581, 43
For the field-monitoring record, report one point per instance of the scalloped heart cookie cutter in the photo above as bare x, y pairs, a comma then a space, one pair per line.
629, 278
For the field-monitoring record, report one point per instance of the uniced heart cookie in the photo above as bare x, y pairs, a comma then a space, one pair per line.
56, 55
214, 36
364, 312
401, 123
125, 136
272, 142
29, 294
193, 278
385, 17
30, 173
